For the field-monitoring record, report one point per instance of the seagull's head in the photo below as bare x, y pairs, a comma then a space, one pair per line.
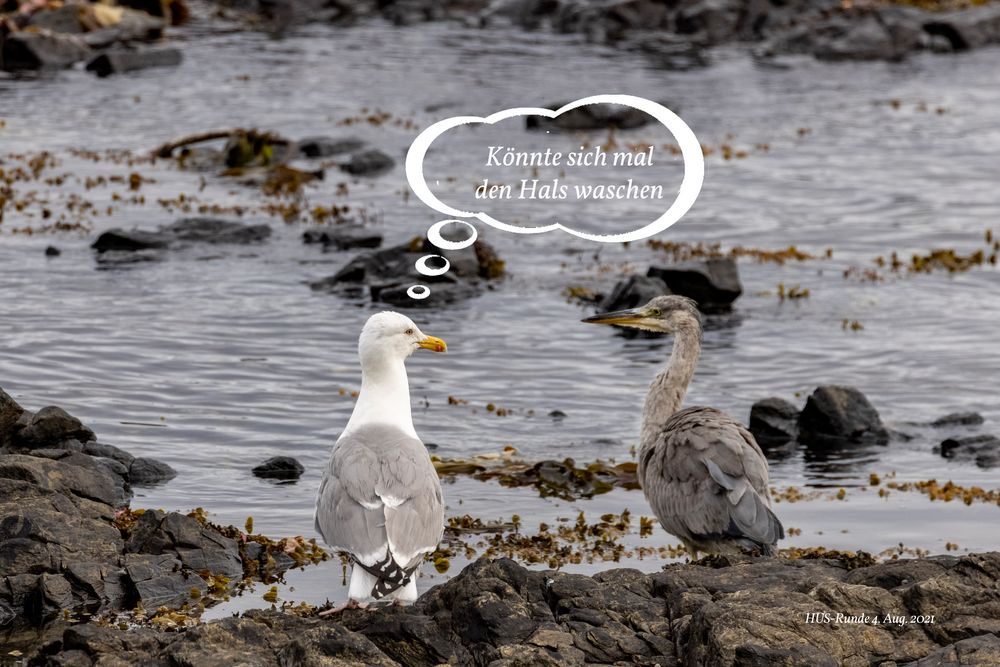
390, 335
664, 314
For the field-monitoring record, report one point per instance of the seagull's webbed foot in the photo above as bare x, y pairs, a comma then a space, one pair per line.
350, 604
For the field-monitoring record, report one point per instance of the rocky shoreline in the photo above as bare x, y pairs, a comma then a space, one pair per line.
741, 611
87, 581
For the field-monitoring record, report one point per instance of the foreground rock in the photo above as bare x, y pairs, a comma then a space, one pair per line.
386, 275
727, 611
774, 421
121, 244
68, 546
714, 283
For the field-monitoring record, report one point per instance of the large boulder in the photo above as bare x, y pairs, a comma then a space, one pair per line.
714, 283
49, 427
195, 546
840, 414
182, 232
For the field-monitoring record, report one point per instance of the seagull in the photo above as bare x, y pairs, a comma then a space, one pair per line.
701, 471
380, 498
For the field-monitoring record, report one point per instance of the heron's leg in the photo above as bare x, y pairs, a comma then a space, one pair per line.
350, 604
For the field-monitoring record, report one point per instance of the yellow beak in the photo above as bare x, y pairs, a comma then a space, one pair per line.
433, 344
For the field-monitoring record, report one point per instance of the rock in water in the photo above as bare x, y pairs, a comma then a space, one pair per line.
958, 419
591, 117
369, 163
185, 230
27, 50
312, 147
149, 471
983, 449
774, 421
119, 61
714, 283
343, 237
279, 467
632, 292
840, 414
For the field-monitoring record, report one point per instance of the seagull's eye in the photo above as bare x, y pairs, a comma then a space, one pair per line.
409, 332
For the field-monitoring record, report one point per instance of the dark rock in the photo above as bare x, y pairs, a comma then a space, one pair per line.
632, 292
52, 251
715, 20
145, 471
49, 427
557, 414
65, 19
983, 449
968, 28
840, 414
95, 448
370, 162
713, 283
312, 147
385, 275
10, 419
343, 237
495, 612
134, 26
197, 547
27, 50
185, 230
119, 61
774, 421
136, 239
958, 419
214, 230
159, 580
279, 467
591, 117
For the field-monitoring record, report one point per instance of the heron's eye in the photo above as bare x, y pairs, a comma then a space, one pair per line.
409, 332
655, 312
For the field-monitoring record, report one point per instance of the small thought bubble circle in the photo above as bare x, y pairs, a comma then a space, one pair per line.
423, 269
418, 292
434, 235
690, 147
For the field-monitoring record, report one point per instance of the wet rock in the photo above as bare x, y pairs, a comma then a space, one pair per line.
28, 50
52, 251
343, 237
713, 283
966, 29
312, 147
385, 275
716, 21
49, 427
774, 421
279, 467
10, 419
65, 19
186, 230
95, 448
632, 292
983, 449
195, 546
119, 61
591, 117
735, 611
958, 419
146, 471
840, 414
370, 162
159, 580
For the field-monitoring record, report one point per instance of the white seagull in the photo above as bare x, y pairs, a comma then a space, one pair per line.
380, 498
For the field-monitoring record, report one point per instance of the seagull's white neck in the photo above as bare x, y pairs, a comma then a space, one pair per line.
384, 397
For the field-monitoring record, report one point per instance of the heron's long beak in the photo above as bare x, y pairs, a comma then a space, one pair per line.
433, 344
631, 316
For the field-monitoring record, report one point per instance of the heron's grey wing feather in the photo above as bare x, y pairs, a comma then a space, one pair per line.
708, 478
349, 515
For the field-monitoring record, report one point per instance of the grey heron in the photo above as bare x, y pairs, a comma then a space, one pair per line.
702, 472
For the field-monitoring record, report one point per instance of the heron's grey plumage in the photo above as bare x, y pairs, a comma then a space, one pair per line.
380, 491
702, 472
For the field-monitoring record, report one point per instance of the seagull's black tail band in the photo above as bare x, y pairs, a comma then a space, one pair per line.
388, 574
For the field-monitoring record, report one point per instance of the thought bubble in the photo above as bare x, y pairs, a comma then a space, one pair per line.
690, 187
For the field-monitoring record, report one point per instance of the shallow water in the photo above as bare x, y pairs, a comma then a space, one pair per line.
220, 357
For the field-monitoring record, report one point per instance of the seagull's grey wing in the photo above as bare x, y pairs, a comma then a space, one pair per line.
410, 488
707, 481
381, 490
349, 515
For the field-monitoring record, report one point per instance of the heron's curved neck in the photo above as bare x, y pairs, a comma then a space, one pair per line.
384, 396
666, 393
